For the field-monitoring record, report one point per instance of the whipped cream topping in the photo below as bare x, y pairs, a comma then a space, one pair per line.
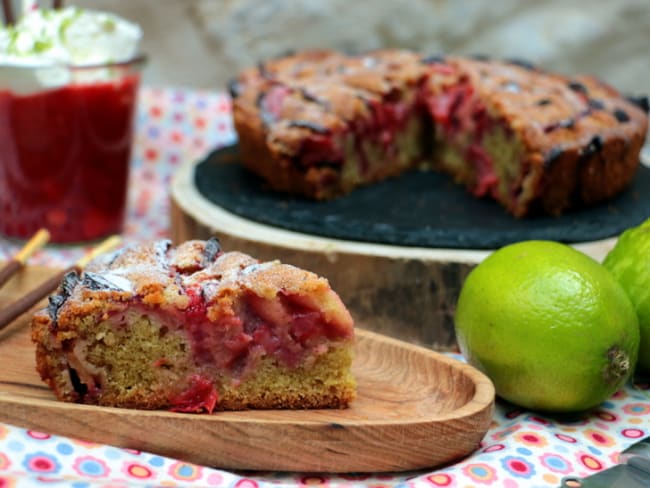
70, 36
40, 50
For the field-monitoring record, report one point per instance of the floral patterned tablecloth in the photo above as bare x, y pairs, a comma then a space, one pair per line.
521, 449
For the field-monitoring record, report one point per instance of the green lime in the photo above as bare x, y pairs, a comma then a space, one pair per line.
549, 325
629, 262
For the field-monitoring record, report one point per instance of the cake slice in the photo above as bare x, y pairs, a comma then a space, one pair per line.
192, 329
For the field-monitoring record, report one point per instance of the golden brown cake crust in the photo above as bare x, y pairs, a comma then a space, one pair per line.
580, 138
191, 328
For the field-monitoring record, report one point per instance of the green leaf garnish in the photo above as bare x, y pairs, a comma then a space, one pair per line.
41, 45
109, 25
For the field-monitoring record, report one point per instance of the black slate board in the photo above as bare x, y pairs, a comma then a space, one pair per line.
424, 209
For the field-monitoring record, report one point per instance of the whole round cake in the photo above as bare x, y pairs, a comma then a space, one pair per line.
321, 123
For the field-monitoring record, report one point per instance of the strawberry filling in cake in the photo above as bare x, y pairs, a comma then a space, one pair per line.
477, 148
382, 139
190, 330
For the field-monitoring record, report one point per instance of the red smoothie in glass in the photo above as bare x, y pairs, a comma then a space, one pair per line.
64, 158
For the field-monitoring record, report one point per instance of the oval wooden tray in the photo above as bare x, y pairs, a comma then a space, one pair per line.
415, 409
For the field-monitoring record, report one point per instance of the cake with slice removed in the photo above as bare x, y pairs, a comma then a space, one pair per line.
321, 123
195, 329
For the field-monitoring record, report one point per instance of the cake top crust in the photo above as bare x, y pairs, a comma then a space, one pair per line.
324, 91
551, 110
159, 275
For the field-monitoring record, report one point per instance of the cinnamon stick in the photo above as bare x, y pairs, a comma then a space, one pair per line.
11, 268
24, 303
16, 263
8, 11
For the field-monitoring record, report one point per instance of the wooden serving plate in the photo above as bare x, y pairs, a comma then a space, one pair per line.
415, 409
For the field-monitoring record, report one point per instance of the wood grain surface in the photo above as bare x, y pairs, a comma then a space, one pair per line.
415, 409
409, 293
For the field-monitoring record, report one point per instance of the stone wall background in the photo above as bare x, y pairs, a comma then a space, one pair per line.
203, 43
